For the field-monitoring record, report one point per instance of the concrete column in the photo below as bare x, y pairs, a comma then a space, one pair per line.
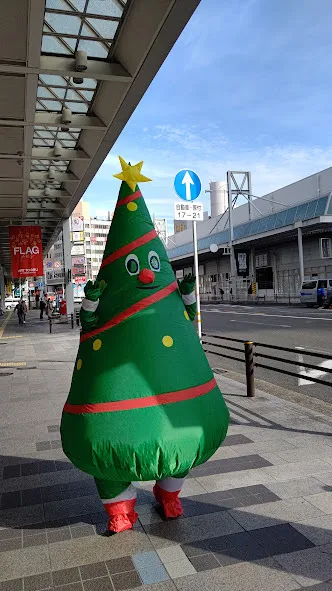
2, 289
300, 247
69, 294
275, 274
252, 269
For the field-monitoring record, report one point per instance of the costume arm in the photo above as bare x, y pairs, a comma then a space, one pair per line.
88, 314
187, 290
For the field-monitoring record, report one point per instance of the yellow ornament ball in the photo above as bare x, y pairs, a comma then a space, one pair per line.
97, 344
167, 341
102, 283
186, 315
132, 206
79, 364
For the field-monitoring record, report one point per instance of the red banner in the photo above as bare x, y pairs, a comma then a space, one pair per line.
26, 251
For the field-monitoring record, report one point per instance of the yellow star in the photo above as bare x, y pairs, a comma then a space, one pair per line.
131, 174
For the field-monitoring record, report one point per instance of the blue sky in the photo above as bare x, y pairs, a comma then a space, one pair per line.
247, 86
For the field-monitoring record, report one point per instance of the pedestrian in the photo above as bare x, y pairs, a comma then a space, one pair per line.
49, 309
37, 300
42, 306
20, 312
320, 297
25, 310
222, 293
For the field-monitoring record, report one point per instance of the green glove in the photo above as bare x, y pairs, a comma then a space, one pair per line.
187, 285
93, 290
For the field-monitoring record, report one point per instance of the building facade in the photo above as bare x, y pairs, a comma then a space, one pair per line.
88, 237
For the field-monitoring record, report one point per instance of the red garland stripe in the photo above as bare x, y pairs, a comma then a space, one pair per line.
130, 198
138, 307
134, 403
128, 248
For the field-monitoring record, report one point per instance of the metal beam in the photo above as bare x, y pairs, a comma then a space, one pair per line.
62, 177
48, 154
65, 66
44, 207
54, 120
54, 193
77, 121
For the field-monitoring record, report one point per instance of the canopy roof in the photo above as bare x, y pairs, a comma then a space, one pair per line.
55, 129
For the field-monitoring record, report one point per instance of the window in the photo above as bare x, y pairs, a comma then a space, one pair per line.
325, 248
309, 285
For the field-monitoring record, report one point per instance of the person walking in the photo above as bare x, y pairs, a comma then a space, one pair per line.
320, 297
20, 312
49, 309
42, 306
25, 310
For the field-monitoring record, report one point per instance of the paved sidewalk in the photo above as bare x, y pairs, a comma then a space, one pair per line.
258, 514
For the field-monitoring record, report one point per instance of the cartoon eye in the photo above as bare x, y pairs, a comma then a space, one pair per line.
154, 261
132, 264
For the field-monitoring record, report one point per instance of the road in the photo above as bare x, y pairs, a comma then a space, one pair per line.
294, 327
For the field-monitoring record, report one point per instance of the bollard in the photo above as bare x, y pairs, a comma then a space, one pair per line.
249, 358
50, 321
72, 320
77, 318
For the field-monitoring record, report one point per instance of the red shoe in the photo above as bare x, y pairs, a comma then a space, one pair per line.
169, 501
122, 515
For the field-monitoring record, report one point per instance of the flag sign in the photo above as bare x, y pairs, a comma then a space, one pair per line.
26, 251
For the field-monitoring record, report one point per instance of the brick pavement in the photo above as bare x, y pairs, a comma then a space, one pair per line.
259, 513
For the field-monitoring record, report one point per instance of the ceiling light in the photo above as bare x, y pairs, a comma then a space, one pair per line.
66, 117
57, 150
81, 61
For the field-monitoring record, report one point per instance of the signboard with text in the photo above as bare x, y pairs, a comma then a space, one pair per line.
77, 249
76, 236
77, 223
242, 263
188, 211
26, 251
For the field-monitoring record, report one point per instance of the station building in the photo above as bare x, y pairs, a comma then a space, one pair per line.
287, 239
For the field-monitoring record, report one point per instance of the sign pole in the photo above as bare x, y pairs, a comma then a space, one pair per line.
188, 186
199, 324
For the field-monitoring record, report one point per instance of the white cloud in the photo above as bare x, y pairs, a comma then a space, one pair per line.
210, 155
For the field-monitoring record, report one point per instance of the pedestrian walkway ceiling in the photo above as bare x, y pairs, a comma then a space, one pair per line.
71, 74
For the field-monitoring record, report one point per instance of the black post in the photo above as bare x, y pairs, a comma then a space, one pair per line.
249, 358
77, 318
72, 320
50, 320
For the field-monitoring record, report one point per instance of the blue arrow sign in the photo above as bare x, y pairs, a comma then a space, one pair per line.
187, 185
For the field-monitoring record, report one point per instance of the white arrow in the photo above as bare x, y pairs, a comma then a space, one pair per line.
312, 373
187, 180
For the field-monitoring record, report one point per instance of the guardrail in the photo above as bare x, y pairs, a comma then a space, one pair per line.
250, 351
243, 298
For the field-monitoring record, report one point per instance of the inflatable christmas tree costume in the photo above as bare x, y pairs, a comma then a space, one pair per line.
143, 403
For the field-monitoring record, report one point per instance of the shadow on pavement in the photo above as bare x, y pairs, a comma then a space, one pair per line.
212, 534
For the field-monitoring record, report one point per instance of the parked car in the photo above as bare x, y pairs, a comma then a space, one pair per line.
11, 302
